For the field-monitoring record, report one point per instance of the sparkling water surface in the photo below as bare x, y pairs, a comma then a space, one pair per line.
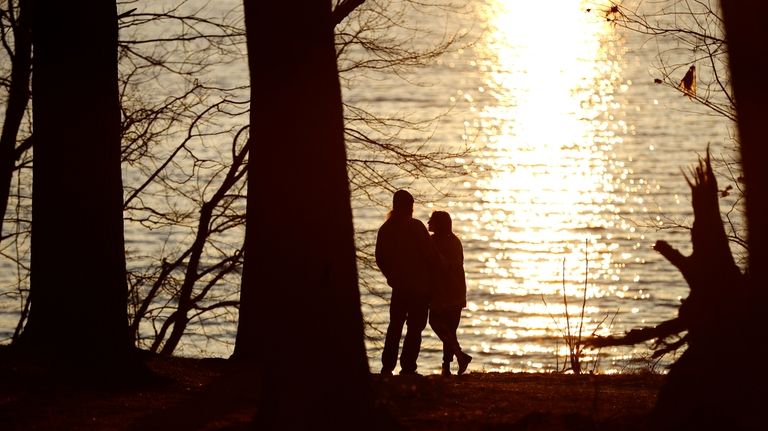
574, 156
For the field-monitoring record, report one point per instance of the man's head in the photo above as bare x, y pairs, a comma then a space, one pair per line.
402, 203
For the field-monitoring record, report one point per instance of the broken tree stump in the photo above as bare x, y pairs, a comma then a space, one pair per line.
701, 390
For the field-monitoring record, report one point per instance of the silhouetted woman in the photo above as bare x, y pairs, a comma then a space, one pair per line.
450, 292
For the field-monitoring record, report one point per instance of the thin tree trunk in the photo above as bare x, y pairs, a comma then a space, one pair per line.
191, 275
16, 105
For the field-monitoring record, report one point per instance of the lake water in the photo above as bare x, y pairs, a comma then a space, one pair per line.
576, 153
574, 156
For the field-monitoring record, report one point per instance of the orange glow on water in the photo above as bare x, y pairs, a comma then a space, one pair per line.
552, 126
545, 179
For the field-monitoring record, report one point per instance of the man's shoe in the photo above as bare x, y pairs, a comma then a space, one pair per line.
446, 369
464, 360
384, 372
408, 373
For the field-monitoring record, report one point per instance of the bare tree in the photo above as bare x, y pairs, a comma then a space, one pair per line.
691, 33
17, 44
686, 33
184, 128
15, 160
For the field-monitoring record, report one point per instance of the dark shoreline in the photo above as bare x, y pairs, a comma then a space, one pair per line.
190, 394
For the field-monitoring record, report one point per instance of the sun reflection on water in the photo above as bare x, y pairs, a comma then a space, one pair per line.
545, 180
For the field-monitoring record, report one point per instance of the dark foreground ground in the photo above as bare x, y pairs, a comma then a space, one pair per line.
190, 395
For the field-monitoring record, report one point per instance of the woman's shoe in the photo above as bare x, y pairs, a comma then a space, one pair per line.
464, 360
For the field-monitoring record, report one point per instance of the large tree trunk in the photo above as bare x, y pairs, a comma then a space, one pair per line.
78, 280
300, 318
747, 37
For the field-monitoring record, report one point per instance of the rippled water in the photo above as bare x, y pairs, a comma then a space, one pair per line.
575, 151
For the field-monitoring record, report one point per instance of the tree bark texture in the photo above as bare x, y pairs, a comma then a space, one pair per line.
78, 277
747, 38
300, 319
747, 41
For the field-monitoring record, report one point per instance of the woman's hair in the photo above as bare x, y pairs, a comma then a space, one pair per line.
441, 222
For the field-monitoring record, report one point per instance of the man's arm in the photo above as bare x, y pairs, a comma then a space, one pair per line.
381, 254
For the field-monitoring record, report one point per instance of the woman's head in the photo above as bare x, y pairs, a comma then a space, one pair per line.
440, 222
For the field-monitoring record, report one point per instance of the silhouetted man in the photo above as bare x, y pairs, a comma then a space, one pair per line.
405, 257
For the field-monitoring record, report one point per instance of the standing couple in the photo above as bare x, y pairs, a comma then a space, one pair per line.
426, 274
